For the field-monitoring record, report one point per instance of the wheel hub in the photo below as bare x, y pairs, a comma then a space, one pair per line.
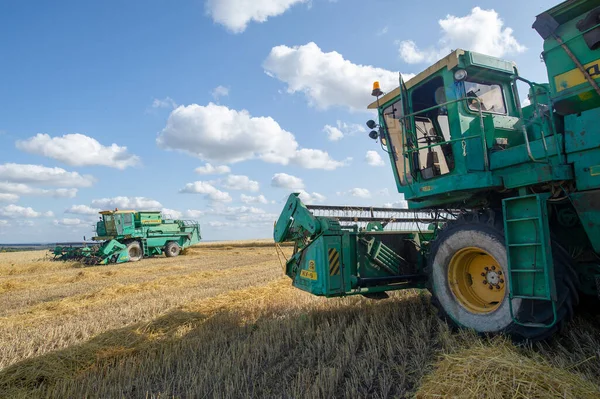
476, 280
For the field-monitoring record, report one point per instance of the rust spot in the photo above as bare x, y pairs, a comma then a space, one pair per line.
582, 133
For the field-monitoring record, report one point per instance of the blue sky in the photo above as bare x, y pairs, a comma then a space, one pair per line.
116, 104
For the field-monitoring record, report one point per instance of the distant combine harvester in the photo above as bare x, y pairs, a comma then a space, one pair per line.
128, 236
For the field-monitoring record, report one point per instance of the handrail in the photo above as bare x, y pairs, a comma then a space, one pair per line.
481, 125
532, 85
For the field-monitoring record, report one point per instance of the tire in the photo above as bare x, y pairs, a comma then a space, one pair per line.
134, 250
478, 234
172, 249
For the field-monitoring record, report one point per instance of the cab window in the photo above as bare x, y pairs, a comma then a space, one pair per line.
490, 97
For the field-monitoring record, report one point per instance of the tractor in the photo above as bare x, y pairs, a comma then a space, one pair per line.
128, 236
503, 218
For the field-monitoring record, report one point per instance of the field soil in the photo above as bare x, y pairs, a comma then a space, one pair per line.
223, 321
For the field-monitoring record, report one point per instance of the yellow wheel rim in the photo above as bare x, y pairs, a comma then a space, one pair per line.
476, 280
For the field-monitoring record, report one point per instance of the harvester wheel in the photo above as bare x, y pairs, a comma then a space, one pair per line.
172, 249
134, 250
468, 281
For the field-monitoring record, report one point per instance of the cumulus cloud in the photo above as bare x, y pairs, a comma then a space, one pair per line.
283, 180
374, 159
5, 197
482, 31
311, 198
220, 91
82, 210
248, 199
193, 213
240, 182
327, 79
236, 14
79, 150
217, 224
72, 222
245, 214
15, 211
333, 133
209, 169
317, 159
209, 191
356, 192
336, 133
135, 203
171, 213
218, 134
24, 189
402, 204
166, 102
38, 174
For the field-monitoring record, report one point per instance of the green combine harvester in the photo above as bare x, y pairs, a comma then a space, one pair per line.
503, 225
128, 236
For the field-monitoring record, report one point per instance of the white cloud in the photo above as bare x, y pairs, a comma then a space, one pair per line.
283, 180
166, 102
79, 150
247, 199
236, 14
311, 198
210, 192
374, 159
218, 134
209, 169
525, 102
384, 192
171, 213
356, 192
481, 31
193, 213
125, 203
4, 223
343, 129
333, 133
245, 214
82, 210
72, 222
38, 174
240, 182
327, 79
402, 204
217, 224
23, 189
15, 211
317, 159
5, 197
220, 91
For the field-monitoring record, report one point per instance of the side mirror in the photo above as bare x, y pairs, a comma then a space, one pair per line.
371, 124
374, 135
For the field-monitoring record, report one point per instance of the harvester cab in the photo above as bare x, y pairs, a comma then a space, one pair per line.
503, 225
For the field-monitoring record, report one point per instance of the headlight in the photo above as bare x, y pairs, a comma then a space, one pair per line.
461, 74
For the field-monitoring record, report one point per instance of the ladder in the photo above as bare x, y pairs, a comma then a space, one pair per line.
529, 253
145, 247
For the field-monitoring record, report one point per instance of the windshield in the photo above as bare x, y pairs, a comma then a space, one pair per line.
490, 97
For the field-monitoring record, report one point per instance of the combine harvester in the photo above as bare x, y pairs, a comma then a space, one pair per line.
525, 245
128, 236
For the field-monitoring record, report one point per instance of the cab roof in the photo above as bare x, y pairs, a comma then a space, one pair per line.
125, 211
450, 61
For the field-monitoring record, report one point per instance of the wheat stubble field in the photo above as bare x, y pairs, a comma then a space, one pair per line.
222, 321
